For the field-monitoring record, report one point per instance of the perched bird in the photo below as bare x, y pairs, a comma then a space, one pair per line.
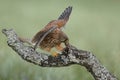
56, 37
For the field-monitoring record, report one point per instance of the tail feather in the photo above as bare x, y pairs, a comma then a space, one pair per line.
65, 15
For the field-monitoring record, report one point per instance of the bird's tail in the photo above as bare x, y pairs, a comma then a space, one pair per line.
65, 15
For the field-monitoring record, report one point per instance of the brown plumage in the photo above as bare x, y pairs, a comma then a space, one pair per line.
57, 36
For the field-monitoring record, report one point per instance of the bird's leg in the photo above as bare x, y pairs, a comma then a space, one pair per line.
59, 47
54, 54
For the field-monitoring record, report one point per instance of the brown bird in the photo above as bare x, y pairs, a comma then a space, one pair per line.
56, 36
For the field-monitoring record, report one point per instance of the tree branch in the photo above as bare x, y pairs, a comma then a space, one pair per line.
68, 57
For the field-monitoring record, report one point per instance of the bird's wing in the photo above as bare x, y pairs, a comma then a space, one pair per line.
38, 38
65, 15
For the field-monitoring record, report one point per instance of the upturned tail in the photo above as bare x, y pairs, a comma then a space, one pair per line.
65, 15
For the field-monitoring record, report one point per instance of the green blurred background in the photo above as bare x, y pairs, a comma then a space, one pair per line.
94, 25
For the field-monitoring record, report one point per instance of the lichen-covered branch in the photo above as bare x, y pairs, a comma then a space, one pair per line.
68, 57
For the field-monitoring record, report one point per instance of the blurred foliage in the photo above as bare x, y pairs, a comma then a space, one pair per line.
94, 25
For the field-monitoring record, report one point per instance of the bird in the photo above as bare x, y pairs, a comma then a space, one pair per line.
56, 36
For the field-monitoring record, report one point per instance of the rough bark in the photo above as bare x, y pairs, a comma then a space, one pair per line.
69, 56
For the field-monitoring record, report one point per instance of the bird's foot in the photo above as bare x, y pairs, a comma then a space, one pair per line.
55, 54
